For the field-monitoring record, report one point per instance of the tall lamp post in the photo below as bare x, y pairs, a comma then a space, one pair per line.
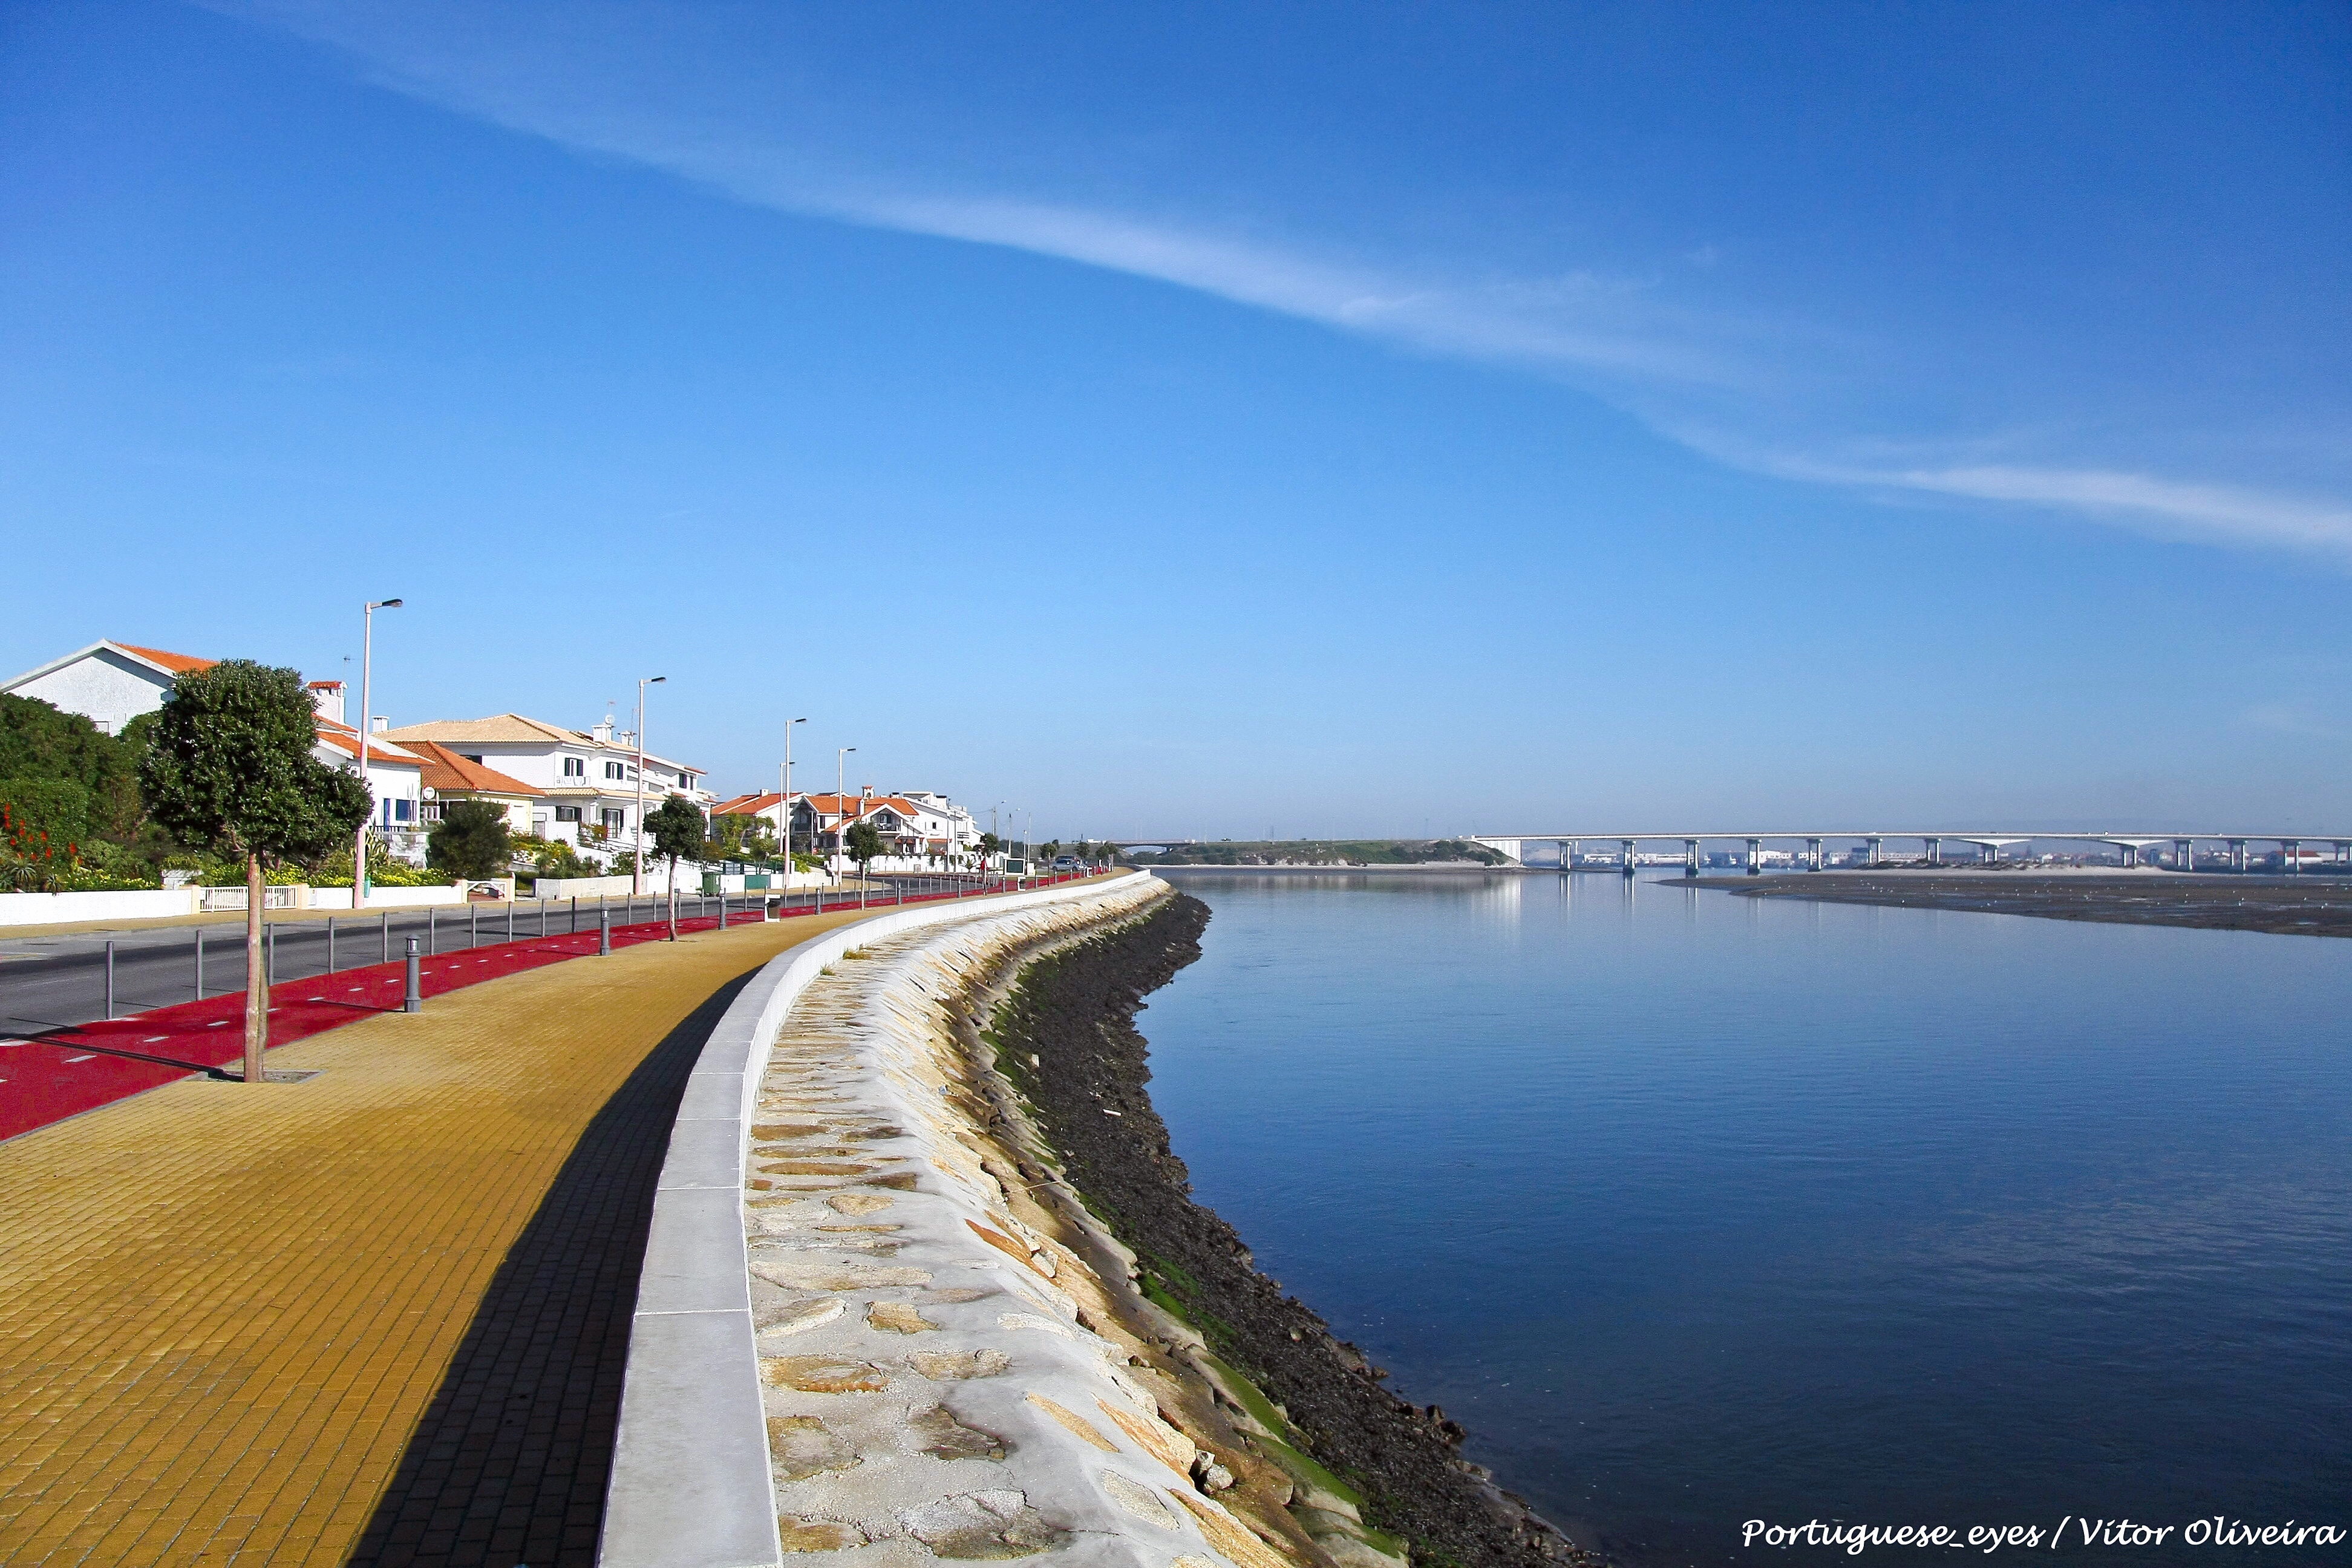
367, 700
841, 804
637, 860
785, 806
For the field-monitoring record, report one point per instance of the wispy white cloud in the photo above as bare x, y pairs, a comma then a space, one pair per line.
1622, 338
2164, 509
2290, 718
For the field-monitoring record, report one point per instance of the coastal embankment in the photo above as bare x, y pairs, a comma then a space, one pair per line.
924, 1282
2293, 906
1297, 1395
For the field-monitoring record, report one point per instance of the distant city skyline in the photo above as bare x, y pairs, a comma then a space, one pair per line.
1373, 423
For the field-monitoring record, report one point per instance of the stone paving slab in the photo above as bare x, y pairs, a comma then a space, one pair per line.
379, 1316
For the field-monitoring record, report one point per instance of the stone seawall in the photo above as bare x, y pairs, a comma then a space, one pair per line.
923, 1352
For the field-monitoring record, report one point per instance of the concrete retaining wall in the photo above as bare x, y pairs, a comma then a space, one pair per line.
692, 1485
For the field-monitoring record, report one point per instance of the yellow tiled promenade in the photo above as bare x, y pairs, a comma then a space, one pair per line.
378, 1316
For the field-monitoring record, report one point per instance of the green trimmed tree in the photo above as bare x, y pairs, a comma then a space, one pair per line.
471, 840
678, 831
865, 843
231, 768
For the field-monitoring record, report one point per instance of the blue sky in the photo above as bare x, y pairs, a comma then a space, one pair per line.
1329, 420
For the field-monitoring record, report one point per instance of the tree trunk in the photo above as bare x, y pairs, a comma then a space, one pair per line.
257, 986
673, 898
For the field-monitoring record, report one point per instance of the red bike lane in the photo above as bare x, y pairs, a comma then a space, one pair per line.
48, 1076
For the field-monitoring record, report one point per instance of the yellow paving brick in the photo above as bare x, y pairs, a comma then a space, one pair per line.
230, 1305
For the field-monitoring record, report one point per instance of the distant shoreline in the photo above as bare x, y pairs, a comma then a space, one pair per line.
2306, 905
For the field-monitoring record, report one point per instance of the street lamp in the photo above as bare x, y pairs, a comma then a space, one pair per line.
785, 806
637, 860
841, 806
367, 698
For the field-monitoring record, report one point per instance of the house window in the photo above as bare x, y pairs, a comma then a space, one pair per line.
616, 770
577, 767
567, 814
613, 819
471, 756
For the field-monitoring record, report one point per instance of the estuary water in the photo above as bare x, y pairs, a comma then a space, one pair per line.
1698, 1209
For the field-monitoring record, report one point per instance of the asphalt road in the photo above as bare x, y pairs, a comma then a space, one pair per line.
51, 981
54, 982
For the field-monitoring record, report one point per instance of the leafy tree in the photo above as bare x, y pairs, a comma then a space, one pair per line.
864, 844
470, 840
678, 831
58, 772
230, 768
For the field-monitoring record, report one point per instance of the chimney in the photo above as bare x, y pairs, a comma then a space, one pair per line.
327, 695
603, 731
379, 724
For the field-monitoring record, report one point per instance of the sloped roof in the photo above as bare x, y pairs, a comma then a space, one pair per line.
446, 772
515, 729
510, 728
747, 805
847, 804
177, 663
345, 739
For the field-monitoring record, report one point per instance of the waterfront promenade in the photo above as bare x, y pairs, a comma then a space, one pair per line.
381, 1315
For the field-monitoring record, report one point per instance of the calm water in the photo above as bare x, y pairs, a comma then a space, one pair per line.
1697, 1209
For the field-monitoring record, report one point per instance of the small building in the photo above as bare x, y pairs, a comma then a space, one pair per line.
395, 781
449, 776
586, 779
109, 683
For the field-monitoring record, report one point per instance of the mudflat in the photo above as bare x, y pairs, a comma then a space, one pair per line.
2293, 906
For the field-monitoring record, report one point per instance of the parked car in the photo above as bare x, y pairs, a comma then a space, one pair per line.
1066, 863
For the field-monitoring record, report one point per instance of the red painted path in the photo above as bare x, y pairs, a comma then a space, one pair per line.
47, 1077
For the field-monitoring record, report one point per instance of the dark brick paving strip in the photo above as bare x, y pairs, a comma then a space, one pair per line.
510, 1464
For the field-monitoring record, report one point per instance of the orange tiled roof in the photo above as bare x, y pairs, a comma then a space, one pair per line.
343, 738
746, 804
177, 663
446, 772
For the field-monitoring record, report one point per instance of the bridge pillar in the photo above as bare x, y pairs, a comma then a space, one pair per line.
1934, 847
2237, 855
1690, 857
1755, 849
1625, 861
2292, 849
1877, 852
1570, 861
1813, 852
2184, 854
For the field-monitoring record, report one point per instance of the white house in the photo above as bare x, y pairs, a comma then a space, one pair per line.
395, 780
586, 779
921, 830
109, 683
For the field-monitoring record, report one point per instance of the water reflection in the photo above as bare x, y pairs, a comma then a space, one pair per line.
1696, 1207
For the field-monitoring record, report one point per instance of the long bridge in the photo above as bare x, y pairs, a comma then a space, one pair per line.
1991, 847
